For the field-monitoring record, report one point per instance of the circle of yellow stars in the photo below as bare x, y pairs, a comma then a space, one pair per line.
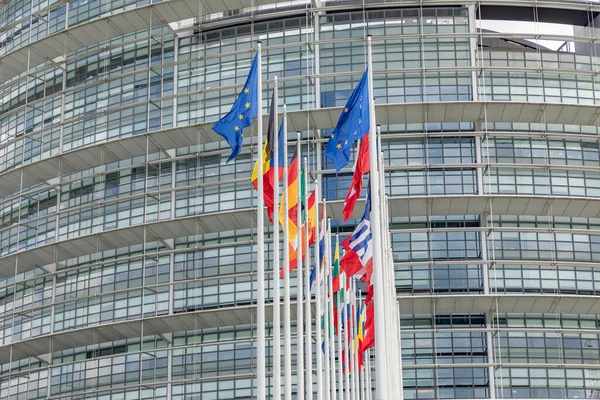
247, 105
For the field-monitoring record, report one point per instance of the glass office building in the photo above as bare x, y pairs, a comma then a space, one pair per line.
127, 244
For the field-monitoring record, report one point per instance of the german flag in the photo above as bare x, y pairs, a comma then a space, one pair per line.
268, 160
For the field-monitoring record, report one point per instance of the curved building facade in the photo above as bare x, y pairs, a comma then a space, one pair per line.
127, 244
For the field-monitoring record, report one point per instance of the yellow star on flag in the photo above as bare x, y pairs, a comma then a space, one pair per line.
339, 146
246, 90
346, 142
237, 128
346, 109
241, 116
247, 105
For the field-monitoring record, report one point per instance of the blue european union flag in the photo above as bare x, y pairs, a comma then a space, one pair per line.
243, 111
352, 125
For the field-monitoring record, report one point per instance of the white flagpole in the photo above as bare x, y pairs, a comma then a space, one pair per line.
363, 391
307, 297
287, 337
368, 364
353, 353
325, 310
340, 330
260, 260
347, 335
393, 316
391, 367
318, 297
299, 285
377, 278
330, 315
276, 266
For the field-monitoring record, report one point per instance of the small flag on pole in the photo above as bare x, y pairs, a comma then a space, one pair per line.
269, 163
243, 111
361, 167
358, 259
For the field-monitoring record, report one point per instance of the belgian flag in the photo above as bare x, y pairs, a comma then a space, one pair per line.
268, 159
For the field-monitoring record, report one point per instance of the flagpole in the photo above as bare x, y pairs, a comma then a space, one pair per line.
393, 310
377, 277
260, 260
276, 266
385, 267
351, 342
308, 297
318, 278
347, 334
363, 391
299, 284
356, 374
369, 379
286, 272
340, 333
330, 315
325, 311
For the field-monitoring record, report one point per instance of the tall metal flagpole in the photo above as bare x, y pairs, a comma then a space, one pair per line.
340, 330
299, 285
287, 337
325, 310
356, 373
318, 297
369, 375
352, 338
307, 297
379, 295
395, 360
260, 259
276, 294
329, 314
346, 342
385, 267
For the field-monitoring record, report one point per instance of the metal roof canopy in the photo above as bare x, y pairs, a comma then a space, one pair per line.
402, 113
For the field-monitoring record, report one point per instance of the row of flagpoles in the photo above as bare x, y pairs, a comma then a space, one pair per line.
348, 324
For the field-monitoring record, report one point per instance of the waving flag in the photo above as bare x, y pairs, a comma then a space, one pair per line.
358, 259
361, 167
352, 125
243, 111
268, 157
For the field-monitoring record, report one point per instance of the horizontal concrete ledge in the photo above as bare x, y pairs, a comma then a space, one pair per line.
501, 303
403, 113
47, 255
161, 325
244, 315
223, 221
557, 206
120, 23
102, 29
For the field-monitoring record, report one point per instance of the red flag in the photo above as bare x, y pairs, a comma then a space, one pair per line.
369, 293
370, 316
369, 339
361, 167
